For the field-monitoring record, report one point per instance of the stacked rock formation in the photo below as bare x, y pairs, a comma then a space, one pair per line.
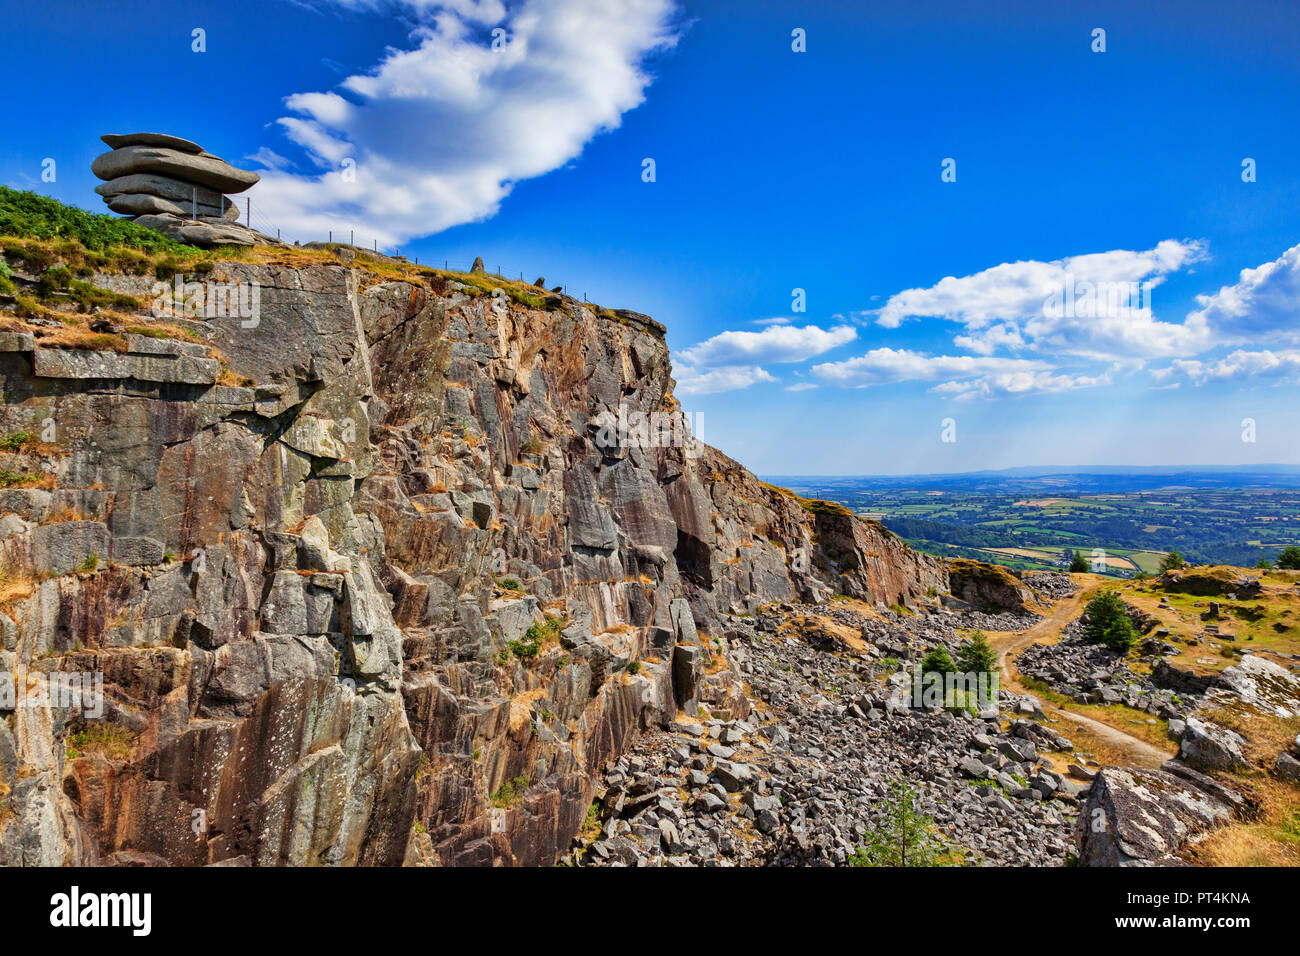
176, 187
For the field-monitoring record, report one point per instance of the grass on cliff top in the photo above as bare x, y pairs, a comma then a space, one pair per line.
39, 217
965, 567
816, 506
39, 233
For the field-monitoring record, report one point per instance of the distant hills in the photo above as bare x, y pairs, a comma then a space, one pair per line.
1089, 479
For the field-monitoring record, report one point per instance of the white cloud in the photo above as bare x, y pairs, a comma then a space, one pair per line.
1014, 384
885, 365
441, 132
268, 158
776, 343
1263, 306
725, 378
1095, 305
1239, 366
989, 340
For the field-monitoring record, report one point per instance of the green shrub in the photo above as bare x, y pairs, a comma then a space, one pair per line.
30, 215
1106, 621
938, 661
1289, 558
512, 791
1078, 565
524, 650
541, 633
16, 441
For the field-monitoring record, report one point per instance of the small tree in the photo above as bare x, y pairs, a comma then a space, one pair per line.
938, 661
1078, 565
1264, 564
976, 657
1106, 621
1172, 562
904, 836
1289, 558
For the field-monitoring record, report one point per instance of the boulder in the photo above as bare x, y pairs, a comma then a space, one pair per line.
142, 204
1224, 794
1264, 685
201, 169
1143, 818
687, 669
205, 232
165, 187
1208, 746
118, 140
1287, 767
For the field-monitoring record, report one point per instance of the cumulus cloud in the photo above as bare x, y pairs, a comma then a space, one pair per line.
1263, 305
436, 135
725, 378
1020, 383
776, 343
1241, 365
885, 366
1096, 305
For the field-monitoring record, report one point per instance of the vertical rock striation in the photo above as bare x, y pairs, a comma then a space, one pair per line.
396, 597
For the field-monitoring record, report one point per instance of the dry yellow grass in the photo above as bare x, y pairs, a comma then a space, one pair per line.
63, 514
1266, 735
521, 710
16, 584
1272, 836
1271, 839
75, 337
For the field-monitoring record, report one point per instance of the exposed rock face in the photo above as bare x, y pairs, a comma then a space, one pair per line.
393, 600
172, 185
1263, 685
988, 587
1143, 817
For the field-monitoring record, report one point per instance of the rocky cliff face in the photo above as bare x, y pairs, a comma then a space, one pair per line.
380, 572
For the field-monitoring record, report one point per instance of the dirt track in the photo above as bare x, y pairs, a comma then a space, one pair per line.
1009, 644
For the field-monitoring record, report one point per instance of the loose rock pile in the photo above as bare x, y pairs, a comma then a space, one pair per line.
174, 186
1050, 584
806, 776
1094, 674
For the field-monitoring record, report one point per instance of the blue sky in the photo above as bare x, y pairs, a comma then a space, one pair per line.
775, 171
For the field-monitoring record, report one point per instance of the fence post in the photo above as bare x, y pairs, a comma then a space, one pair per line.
248, 211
